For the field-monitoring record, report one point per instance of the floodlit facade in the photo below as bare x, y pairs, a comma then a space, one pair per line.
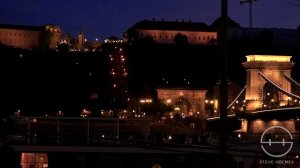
29, 37
265, 77
164, 32
186, 102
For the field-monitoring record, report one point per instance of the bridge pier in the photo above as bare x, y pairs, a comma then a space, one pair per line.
258, 126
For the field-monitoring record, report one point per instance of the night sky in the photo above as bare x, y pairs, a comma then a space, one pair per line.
105, 18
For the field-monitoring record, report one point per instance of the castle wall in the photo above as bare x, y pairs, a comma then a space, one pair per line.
19, 38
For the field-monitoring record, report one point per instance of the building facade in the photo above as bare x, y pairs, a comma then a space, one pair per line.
29, 37
164, 32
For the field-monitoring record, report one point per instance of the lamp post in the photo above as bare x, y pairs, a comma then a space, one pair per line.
250, 9
142, 102
223, 42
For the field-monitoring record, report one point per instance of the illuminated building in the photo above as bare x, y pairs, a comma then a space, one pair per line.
185, 101
260, 91
80, 40
29, 37
164, 32
37, 160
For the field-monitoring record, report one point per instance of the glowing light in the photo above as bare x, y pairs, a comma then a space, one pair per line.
169, 101
268, 58
145, 100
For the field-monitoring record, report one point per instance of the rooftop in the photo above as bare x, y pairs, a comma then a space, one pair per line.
268, 58
21, 27
171, 25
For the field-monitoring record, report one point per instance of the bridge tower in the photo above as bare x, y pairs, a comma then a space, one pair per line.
261, 93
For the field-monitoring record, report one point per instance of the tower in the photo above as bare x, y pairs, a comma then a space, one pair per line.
265, 77
54, 37
80, 41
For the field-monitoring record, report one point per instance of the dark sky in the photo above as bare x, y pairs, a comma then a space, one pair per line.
105, 18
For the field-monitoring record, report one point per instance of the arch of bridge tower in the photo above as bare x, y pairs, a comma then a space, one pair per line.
258, 89
186, 101
270, 96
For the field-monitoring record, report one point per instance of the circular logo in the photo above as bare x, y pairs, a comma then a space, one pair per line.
277, 146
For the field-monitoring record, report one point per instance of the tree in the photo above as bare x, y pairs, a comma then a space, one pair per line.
45, 39
63, 48
181, 39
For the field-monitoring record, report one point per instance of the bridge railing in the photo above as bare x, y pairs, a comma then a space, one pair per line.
68, 130
85, 131
74, 130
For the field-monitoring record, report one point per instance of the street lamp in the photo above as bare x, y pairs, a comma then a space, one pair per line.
177, 109
144, 101
250, 9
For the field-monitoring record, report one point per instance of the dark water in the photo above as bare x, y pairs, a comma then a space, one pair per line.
93, 160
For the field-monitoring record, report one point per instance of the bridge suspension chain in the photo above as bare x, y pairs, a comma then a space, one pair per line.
290, 79
278, 87
237, 97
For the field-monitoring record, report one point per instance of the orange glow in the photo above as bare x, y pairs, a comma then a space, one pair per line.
38, 160
268, 58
